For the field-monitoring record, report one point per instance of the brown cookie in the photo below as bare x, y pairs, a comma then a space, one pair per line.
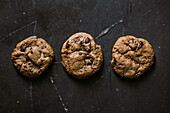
132, 56
32, 56
81, 57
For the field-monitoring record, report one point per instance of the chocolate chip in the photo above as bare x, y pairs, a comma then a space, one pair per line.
27, 58
89, 61
140, 44
87, 40
87, 57
31, 52
80, 53
81, 42
39, 71
25, 66
77, 39
67, 45
13, 59
114, 61
131, 41
23, 47
138, 55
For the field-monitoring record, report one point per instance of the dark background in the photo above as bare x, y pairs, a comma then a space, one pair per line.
104, 92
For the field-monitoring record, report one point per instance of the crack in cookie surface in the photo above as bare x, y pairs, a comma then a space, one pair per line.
81, 57
133, 56
32, 56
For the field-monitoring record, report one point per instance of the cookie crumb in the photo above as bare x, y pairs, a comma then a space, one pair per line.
117, 89
18, 102
60, 98
52, 81
102, 77
66, 109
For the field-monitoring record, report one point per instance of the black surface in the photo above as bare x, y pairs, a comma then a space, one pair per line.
105, 92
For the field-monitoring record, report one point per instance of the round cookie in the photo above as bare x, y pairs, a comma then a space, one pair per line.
32, 56
132, 56
81, 56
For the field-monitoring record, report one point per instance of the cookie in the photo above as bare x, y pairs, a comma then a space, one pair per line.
132, 56
32, 56
81, 56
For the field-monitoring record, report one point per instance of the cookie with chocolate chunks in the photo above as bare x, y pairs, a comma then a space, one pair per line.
81, 56
132, 56
32, 56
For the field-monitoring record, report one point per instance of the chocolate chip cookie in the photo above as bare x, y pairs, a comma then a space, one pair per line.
132, 56
81, 56
32, 56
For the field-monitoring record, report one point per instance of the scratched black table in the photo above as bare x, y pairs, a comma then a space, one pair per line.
105, 92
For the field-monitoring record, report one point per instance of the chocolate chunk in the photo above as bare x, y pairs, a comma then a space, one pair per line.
67, 45
87, 40
77, 39
140, 44
23, 47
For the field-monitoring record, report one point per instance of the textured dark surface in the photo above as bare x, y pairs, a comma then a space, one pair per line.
105, 92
